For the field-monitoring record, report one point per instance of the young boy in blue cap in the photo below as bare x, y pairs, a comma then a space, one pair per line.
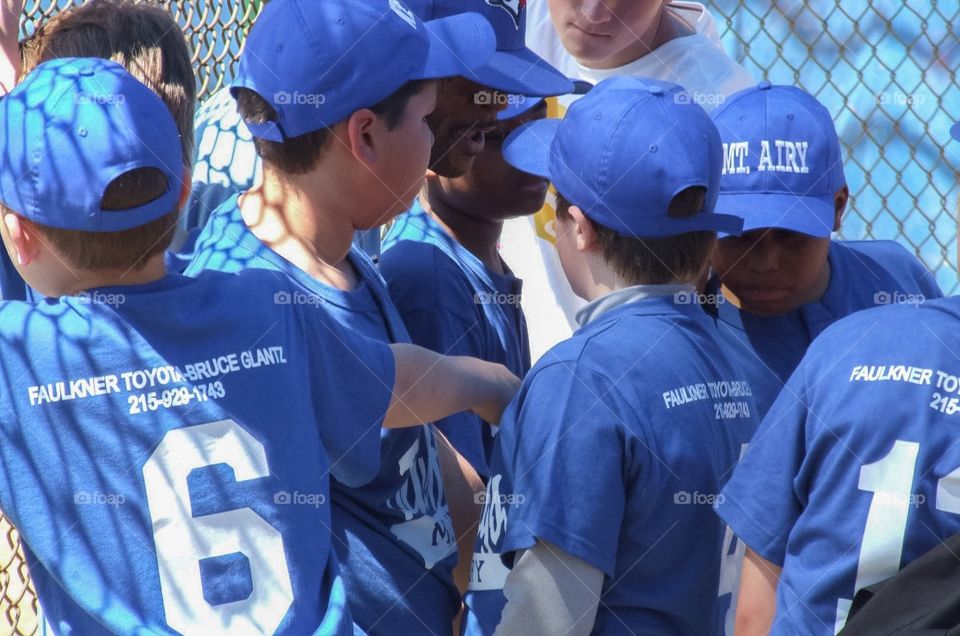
783, 281
445, 274
339, 120
621, 436
859, 466
158, 484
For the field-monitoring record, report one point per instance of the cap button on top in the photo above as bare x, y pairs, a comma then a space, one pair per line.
87, 72
764, 85
655, 90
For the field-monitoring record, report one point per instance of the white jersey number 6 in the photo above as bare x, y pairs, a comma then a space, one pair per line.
182, 539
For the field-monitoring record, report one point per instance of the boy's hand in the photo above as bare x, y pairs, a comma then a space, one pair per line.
502, 385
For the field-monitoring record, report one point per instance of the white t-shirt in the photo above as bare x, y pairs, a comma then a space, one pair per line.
697, 62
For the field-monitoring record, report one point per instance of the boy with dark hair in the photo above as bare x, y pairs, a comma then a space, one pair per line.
158, 484
345, 145
447, 279
142, 37
621, 436
783, 281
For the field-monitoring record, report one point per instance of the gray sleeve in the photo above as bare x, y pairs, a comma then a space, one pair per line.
550, 592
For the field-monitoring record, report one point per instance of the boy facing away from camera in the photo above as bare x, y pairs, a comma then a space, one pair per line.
621, 436
157, 482
349, 153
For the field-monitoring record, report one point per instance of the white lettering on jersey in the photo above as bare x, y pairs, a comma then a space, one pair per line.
487, 571
421, 498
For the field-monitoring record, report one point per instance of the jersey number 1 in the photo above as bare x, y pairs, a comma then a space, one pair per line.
891, 482
182, 540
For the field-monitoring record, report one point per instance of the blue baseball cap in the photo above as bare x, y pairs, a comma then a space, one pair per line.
623, 152
318, 62
71, 127
513, 68
782, 164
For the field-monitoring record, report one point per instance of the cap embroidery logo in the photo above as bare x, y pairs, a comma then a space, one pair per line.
513, 7
791, 157
405, 13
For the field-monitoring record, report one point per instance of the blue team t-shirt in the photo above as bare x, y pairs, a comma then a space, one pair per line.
452, 303
394, 536
616, 445
855, 471
863, 274
159, 484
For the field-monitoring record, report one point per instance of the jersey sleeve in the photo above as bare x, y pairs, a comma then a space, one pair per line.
351, 383
564, 449
762, 502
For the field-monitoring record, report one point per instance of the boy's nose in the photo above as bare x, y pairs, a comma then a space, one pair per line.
595, 12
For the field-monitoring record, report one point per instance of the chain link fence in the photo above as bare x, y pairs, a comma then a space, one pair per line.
886, 69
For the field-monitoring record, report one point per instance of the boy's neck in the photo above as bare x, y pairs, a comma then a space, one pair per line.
153, 270
301, 218
479, 236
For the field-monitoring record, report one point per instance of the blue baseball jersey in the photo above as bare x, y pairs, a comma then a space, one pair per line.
863, 274
452, 303
159, 484
616, 445
855, 471
394, 536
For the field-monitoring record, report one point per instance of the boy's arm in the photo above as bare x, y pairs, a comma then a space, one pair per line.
9, 44
430, 386
550, 592
758, 596
462, 485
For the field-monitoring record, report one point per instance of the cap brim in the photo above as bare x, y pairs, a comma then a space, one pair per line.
518, 105
955, 131
528, 147
524, 73
459, 44
810, 215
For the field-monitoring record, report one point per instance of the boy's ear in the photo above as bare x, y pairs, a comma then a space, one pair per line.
24, 239
839, 206
185, 189
360, 134
584, 231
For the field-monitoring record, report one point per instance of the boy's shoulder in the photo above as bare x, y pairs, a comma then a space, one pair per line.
878, 249
421, 275
896, 324
882, 262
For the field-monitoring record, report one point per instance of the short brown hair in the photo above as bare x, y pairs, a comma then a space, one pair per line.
126, 249
298, 155
143, 37
655, 261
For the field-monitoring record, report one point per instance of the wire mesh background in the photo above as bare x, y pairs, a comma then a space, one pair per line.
886, 70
